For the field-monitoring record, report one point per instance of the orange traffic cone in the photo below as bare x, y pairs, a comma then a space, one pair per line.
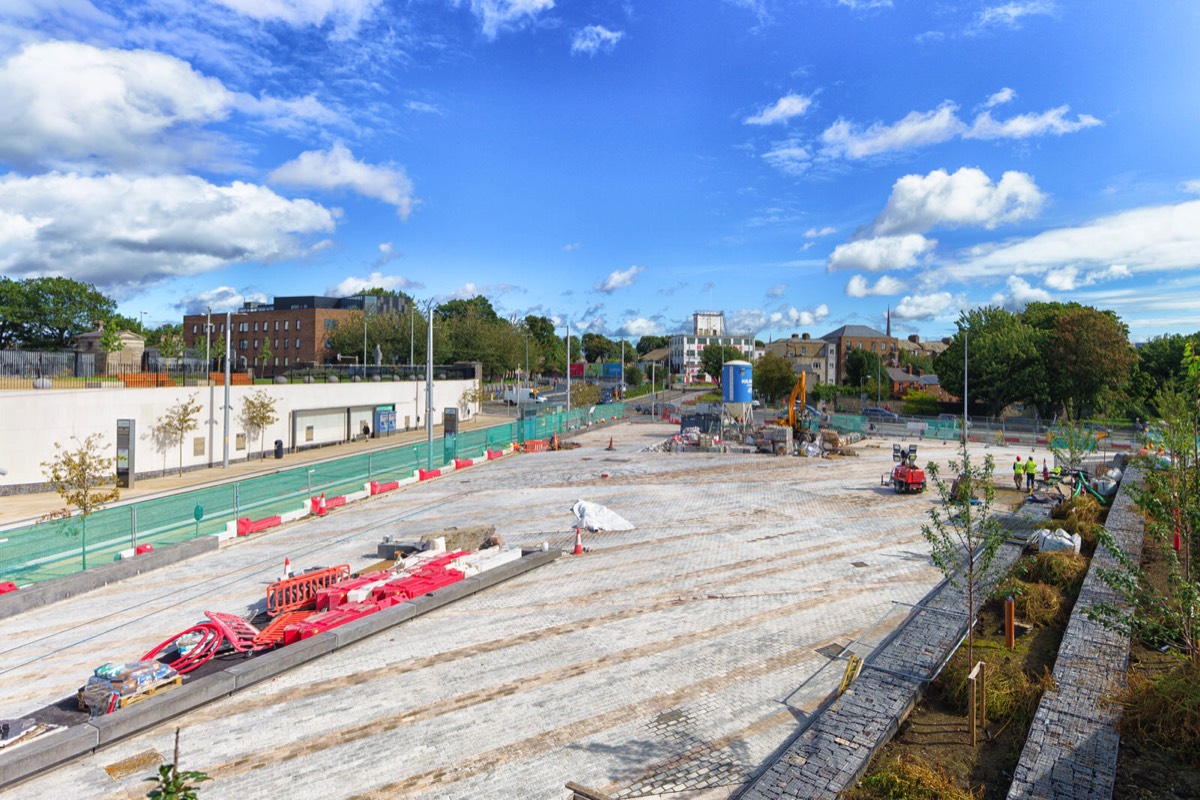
287, 569
610, 444
321, 505
578, 543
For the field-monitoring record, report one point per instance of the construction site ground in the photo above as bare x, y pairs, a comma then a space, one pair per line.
673, 659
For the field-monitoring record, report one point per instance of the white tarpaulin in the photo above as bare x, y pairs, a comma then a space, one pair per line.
596, 517
1047, 541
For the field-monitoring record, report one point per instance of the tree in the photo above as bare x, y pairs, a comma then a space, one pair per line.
597, 347
920, 362
774, 376
110, 340
265, 353
1164, 612
919, 404
14, 312
171, 784
964, 540
1005, 355
584, 394
714, 357
59, 309
177, 422
648, 343
85, 478
634, 375
258, 412
863, 366
1086, 354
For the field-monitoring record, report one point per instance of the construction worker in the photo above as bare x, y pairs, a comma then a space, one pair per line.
1018, 471
554, 441
1030, 473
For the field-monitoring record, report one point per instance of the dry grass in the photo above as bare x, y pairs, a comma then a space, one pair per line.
1012, 694
908, 779
1080, 515
1039, 604
1060, 569
1165, 710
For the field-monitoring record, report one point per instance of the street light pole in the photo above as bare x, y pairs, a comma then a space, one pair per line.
228, 342
429, 385
208, 381
568, 371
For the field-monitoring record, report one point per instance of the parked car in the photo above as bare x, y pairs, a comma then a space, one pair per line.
952, 418
881, 415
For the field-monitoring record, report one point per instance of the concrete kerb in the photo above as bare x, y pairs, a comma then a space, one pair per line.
51, 591
79, 740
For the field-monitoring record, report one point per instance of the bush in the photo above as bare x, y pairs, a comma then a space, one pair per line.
908, 779
1063, 570
1011, 693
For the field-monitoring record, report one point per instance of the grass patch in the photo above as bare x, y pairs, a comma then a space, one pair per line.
1063, 570
1164, 709
908, 778
1080, 515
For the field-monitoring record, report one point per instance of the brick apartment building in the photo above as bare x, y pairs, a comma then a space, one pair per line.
296, 330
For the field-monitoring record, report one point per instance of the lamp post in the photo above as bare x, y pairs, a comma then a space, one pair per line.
568, 372
364, 305
429, 385
208, 380
228, 337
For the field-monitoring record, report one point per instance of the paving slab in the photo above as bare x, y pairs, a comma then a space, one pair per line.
662, 657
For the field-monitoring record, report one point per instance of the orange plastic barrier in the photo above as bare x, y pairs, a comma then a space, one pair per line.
537, 446
143, 380
247, 526
494, 454
380, 488
272, 635
460, 463
293, 593
426, 474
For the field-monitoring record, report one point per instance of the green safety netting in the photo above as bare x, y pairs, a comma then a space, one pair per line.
60, 547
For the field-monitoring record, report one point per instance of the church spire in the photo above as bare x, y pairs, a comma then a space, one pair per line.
889, 322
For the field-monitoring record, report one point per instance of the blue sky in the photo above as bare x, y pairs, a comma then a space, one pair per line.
619, 164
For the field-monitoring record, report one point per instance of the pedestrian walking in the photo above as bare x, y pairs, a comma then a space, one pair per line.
1030, 473
1018, 472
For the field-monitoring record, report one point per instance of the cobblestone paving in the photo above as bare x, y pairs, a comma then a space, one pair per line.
1071, 750
657, 662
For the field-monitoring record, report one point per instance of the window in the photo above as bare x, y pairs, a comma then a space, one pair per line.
256, 344
325, 344
194, 327
221, 329
241, 344
297, 344
276, 344
330, 324
297, 324
256, 327
286, 322
285, 344
277, 362
243, 327
285, 362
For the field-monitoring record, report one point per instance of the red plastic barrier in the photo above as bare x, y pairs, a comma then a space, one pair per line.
327, 620
240, 634
247, 526
334, 502
492, 455
272, 635
202, 653
7, 586
335, 595
460, 463
294, 593
426, 474
143, 548
380, 488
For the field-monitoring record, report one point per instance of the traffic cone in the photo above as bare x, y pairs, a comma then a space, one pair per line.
578, 543
610, 444
321, 505
287, 569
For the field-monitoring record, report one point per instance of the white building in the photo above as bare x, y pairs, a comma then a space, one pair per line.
708, 328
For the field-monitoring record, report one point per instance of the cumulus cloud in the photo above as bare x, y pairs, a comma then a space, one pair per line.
1148, 239
498, 15
753, 320
967, 197
916, 129
222, 298
1191, 187
1020, 294
469, 290
345, 16
1068, 278
337, 168
124, 233
595, 39
881, 253
1024, 126
419, 107
789, 156
783, 109
618, 279
926, 307
640, 326
376, 280
858, 286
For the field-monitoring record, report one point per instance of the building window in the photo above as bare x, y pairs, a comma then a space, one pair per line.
286, 322
256, 327
243, 327
276, 344
325, 344
330, 324
256, 344
194, 328
277, 361
221, 329
241, 344
285, 344
285, 362
297, 344
297, 324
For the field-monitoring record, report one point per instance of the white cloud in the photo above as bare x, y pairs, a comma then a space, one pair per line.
880, 253
124, 233
814, 233
618, 279
1020, 294
928, 306
1001, 97
1191, 187
595, 39
640, 326
419, 107
863, 5
71, 103
572, 246
352, 286
338, 169
469, 290
1009, 15
968, 197
1024, 126
1149, 239
222, 298
1067, 279
753, 320
789, 156
786, 107
914, 130
498, 15
777, 290
858, 286
344, 15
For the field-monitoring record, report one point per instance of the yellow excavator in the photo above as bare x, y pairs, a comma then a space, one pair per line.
798, 397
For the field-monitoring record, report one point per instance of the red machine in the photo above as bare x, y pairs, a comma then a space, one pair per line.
906, 475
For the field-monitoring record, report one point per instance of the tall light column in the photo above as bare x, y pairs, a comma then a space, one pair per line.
208, 381
228, 342
568, 370
429, 386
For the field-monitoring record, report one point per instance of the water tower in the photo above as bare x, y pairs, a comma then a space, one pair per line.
737, 388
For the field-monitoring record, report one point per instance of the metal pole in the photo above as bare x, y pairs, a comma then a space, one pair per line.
208, 382
622, 369
965, 368
429, 387
412, 317
568, 370
364, 304
133, 527
228, 342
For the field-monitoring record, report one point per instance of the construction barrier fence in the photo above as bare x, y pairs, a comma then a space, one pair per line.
59, 547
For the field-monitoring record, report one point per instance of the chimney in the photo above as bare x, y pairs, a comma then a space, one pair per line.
806, 337
910, 369
914, 338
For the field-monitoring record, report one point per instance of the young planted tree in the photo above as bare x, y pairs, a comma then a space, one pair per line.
178, 421
258, 412
1164, 612
85, 478
1070, 442
172, 784
963, 537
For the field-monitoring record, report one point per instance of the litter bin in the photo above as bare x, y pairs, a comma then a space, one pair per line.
279, 448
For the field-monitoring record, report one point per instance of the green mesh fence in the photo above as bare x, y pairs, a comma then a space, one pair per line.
56, 548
